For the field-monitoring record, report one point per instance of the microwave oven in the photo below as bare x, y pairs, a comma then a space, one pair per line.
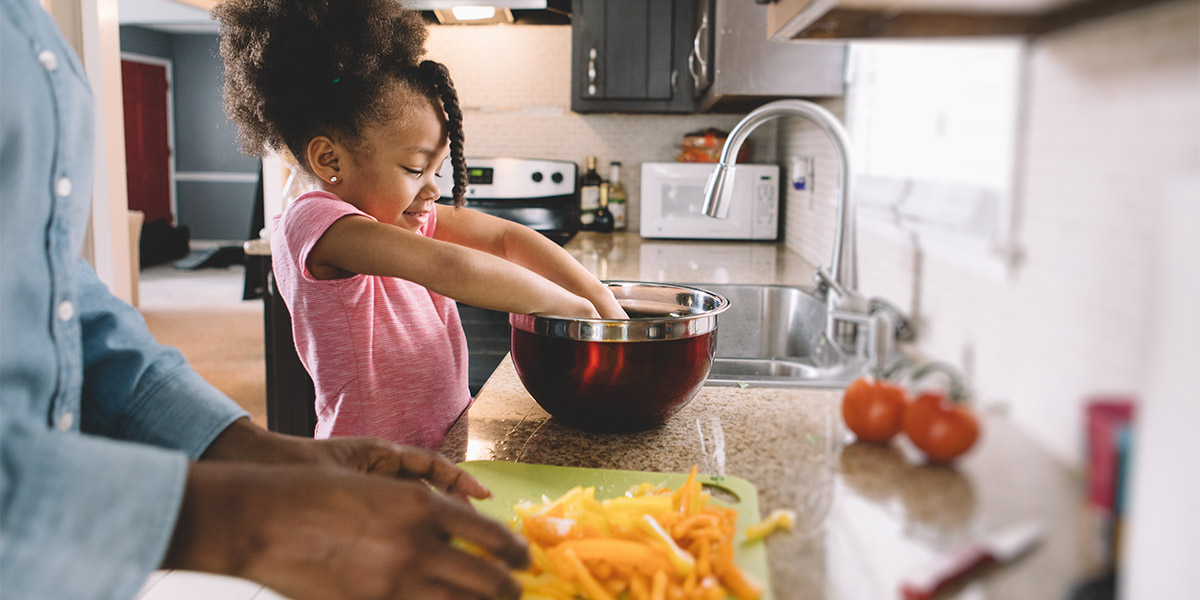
673, 193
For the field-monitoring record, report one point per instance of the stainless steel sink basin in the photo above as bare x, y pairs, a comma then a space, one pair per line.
772, 336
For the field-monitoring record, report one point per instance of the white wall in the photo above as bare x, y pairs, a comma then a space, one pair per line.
92, 29
1112, 121
514, 83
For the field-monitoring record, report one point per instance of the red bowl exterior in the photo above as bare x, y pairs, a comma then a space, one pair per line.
612, 386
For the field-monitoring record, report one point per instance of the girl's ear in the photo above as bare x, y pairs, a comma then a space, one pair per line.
323, 157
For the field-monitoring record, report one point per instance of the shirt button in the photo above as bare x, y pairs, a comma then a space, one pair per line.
65, 421
48, 59
63, 187
66, 310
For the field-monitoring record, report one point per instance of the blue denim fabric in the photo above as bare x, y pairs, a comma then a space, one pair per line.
97, 420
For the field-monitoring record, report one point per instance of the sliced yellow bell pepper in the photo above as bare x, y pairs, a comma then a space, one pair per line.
680, 559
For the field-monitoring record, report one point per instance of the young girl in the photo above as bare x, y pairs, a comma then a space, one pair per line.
368, 265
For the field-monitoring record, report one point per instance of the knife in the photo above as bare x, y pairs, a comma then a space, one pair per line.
1002, 546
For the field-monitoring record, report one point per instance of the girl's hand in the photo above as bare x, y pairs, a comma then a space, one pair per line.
312, 532
566, 304
606, 304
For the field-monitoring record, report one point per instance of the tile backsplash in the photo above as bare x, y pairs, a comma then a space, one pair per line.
514, 85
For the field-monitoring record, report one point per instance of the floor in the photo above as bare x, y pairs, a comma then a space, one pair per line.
201, 312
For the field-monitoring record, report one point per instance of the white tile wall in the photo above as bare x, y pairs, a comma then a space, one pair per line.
514, 84
1113, 119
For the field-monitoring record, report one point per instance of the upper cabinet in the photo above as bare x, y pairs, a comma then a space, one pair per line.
631, 56
846, 19
735, 68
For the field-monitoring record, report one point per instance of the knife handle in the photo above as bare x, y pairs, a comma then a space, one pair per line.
924, 583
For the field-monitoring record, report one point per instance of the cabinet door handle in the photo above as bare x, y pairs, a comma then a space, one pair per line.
692, 68
697, 55
592, 72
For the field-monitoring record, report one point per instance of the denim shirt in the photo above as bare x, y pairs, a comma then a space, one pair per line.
97, 421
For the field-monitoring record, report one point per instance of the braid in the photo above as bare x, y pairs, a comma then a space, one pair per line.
438, 75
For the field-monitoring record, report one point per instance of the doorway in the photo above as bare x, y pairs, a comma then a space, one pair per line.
149, 169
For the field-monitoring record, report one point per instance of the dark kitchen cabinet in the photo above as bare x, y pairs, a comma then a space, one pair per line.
631, 55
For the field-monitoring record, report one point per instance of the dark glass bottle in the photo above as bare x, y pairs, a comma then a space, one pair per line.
589, 195
604, 218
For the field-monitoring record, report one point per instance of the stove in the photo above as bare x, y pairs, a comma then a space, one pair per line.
542, 194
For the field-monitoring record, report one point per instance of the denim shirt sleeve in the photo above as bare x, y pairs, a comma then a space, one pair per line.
98, 422
136, 389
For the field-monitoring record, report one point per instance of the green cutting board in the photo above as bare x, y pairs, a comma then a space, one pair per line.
512, 482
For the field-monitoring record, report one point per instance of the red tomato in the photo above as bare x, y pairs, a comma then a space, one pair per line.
941, 429
874, 410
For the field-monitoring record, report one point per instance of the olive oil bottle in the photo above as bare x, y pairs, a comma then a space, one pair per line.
616, 195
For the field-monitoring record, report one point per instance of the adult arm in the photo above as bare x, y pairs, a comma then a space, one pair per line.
136, 389
84, 515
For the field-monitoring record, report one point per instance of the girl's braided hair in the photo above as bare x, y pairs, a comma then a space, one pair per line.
296, 69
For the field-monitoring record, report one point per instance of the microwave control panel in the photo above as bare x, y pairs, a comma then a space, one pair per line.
766, 200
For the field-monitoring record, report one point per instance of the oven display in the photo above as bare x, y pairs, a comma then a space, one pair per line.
479, 175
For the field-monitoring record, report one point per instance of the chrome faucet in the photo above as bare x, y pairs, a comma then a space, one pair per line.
842, 277
849, 314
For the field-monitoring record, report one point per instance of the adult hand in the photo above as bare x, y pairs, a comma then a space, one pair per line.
380, 457
244, 441
320, 533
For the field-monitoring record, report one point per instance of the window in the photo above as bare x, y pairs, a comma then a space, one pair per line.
934, 126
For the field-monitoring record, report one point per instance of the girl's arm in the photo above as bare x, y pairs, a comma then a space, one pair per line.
359, 245
523, 246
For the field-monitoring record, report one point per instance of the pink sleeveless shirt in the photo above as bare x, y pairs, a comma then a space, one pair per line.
387, 356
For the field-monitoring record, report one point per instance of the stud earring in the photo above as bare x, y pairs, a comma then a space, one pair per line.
333, 179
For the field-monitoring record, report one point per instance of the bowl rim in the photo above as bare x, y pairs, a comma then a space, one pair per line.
627, 330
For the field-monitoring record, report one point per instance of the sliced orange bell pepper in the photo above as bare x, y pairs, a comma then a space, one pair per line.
590, 586
739, 583
624, 555
658, 587
549, 531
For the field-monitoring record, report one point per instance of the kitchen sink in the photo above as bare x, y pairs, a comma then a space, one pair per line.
773, 336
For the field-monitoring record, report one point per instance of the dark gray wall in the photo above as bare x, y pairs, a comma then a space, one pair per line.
205, 139
199, 115
216, 210
140, 40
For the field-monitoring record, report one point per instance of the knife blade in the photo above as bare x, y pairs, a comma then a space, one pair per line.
999, 547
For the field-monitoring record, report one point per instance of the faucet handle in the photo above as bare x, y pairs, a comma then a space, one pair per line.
903, 325
826, 281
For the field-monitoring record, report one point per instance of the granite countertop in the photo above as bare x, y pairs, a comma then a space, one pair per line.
867, 514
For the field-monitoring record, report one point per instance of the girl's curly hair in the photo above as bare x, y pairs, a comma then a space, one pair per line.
296, 69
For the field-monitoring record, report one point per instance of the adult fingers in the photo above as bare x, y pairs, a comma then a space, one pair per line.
459, 520
472, 574
439, 472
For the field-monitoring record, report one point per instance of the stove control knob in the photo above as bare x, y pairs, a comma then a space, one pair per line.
537, 176
556, 177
